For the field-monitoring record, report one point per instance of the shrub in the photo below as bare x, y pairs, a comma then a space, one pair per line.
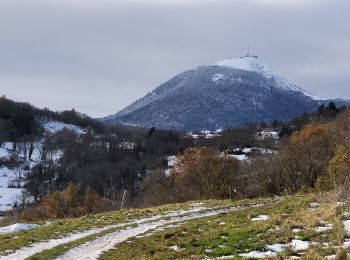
73, 201
337, 171
205, 174
302, 160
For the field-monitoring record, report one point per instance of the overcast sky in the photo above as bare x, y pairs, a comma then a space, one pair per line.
99, 56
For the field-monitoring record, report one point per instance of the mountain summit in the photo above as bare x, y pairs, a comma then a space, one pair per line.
228, 93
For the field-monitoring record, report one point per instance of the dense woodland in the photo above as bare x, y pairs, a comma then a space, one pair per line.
112, 166
20, 121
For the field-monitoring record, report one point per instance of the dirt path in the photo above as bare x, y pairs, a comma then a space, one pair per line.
95, 248
25, 252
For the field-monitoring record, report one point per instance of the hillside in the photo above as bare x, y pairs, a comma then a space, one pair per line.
309, 227
19, 158
89, 195
229, 93
25, 132
42, 151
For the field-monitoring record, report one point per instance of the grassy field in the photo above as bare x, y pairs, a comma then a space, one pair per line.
60, 228
228, 236
315, 220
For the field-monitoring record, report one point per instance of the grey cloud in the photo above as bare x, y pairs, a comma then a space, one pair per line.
99, 56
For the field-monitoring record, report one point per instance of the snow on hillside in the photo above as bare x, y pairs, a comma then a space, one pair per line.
247, 64
129, 146
172, 161
231, 92
204, 134
171, 164
239, 157
5, 150
12, 179
254, 64
55, 126
3, 153
10, 183
155, 94
8, 195
217, 77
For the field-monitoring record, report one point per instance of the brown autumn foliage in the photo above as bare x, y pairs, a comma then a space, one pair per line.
314, 157
307, 133
73, 201
301, 159
205, 174
199, 174
338, 171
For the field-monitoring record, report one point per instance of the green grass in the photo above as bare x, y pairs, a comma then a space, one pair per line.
60, 228
59, 250
203, 237
238, 235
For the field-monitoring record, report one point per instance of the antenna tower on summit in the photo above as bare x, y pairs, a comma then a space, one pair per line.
248, 53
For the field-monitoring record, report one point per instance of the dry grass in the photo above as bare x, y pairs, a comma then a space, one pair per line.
338, 233
312, 254
303, 219
341, 254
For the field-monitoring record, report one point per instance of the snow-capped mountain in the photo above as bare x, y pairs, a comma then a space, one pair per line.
228, 93
253, 64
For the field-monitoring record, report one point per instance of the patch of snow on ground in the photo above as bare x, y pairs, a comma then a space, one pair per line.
16, 228
8, 195
258, 254
171, 164
55, 126
240, 157
340, 204
296, 230
299, 245
278, 248
346, 224
314, 205
260, 218
217, 77
93, 249
172, 161
4, 153
346, 214
25, 252
325, 228
346, 243
8, 145
224, 257
175, 248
